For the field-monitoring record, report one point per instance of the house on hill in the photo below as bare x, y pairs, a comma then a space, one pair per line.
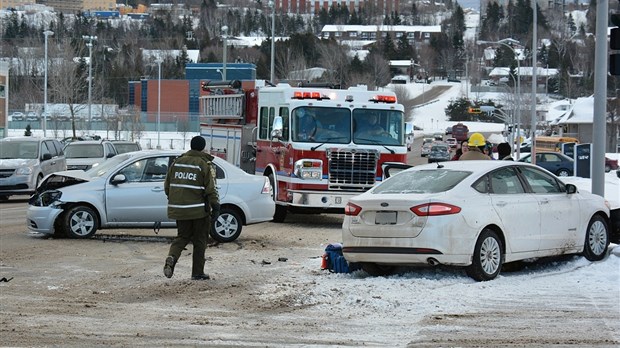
578, 122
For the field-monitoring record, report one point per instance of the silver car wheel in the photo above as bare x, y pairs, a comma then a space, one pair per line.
80, 222
597, 237
228, 226
490, 255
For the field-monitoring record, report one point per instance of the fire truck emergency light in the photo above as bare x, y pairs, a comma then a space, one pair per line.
309, 95
390, 99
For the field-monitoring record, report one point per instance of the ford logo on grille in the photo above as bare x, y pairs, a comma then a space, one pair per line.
384, 204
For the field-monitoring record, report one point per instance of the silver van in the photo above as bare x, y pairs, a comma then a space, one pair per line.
24, 161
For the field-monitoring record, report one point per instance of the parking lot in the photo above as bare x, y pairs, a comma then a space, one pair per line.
267, 290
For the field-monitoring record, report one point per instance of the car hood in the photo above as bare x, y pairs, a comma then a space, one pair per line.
61, 179
16, 163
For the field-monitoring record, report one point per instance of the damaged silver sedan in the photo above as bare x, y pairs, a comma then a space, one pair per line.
128, 191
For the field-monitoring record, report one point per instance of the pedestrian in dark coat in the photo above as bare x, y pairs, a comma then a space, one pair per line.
193, 202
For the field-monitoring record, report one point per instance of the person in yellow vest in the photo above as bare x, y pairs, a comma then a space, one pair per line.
476, 145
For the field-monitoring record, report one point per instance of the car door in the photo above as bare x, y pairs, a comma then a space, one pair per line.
559, 212
141, 199
517, 209
47, 166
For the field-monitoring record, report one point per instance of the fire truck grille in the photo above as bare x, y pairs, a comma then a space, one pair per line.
352, 169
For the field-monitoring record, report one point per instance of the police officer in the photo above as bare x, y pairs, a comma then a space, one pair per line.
193, 202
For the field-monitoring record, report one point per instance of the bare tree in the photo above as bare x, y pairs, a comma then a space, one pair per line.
404, 97
334, 58
289, 60
378, 70
67, 82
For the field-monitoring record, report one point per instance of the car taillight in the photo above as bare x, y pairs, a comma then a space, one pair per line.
434, 209
266, 187
352, 209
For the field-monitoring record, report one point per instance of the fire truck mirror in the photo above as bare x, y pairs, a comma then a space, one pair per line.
276, 129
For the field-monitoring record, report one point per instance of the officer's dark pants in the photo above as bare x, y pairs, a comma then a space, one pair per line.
195, 231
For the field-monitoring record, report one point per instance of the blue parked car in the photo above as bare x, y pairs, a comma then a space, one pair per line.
555, 162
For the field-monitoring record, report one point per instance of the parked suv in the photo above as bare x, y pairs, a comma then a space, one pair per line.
123, 146
24, 161
88, 153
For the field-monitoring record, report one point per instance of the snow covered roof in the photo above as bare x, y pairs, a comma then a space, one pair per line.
307, 74
523, 71
582, 111
152, 55
331, 28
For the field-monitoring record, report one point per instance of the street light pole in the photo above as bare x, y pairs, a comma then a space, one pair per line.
158, 61
272, 4
224, 58
103, 85
90, 74
46, 33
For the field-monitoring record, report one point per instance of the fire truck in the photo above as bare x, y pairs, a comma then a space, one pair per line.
318, 146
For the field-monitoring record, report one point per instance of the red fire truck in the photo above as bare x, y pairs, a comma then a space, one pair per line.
318, 146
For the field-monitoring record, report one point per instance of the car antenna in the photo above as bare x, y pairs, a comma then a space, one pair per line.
439, 165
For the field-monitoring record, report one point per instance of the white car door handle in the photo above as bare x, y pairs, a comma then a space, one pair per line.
544, 201
501, 204
157, 189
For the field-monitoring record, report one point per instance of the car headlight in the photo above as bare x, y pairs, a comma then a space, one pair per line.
309, 169
23, 171
49, 198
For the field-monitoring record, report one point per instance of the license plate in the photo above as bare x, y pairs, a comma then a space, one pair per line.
385, 218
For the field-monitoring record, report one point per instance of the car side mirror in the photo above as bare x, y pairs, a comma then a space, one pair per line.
110, 155
118, 179
46, 156
276, 129
570, 189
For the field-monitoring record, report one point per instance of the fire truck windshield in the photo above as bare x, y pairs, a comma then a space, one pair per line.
373, 126
332, 125
322, 124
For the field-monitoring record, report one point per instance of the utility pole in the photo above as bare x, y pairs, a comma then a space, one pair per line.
45, 113
89, 44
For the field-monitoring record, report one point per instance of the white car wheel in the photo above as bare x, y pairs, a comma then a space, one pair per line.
597, 239
487, 258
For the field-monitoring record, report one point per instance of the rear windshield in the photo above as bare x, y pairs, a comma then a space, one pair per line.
422, 181
77, 150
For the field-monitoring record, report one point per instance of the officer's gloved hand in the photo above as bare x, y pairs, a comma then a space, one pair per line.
215, 211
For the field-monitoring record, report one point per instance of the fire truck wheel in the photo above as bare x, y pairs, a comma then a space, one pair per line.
227, 227
280, 213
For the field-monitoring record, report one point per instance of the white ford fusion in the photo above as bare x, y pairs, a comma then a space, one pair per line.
474, 214
127, 190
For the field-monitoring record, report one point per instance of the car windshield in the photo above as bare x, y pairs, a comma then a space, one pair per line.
422, 181
439, 148
105, 166
79, 150
19, 149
